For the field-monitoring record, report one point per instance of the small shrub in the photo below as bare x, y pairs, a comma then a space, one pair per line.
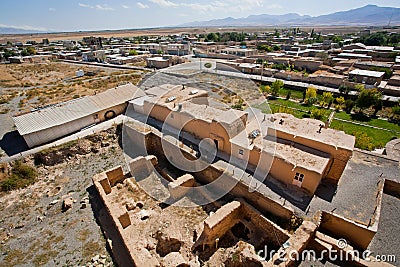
21, 176
340, 102
208, 65
348, 105
294, 223
310, 96
363, 141
317, 114
289, 93
276, 86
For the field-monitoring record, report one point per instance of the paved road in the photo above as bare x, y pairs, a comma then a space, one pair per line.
198, 64
125, 67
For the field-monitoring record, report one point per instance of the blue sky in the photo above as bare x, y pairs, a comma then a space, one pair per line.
73, 15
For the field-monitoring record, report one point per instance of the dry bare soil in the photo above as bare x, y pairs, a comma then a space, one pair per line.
35, 85
34, 231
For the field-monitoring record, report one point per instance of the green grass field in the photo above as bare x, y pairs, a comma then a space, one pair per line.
369, 121
378, 138
366, 137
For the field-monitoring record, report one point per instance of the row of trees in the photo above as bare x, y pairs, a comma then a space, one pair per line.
224, 37
367, 98
380, 38
29, 51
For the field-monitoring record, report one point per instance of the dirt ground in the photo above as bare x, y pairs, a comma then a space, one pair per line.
159, 31
27, 86
34, 231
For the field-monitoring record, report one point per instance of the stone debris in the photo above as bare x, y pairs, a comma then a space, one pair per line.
99, 261
168, 241
130, 206
19, 226
67, 204
173, 259
84, 202
95, 258
53, 202
144, 214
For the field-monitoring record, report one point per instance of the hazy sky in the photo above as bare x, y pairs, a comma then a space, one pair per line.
72, 15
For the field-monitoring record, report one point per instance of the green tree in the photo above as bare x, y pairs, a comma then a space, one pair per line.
359, 87
263, 47
276, 86
368, 98
288, 95
395, 112
348, 105
378, 38
327, 98
311, 96
133, 52
276, 48
344, 90
319, 39
340, 102
317, 114
260, 61
212, 37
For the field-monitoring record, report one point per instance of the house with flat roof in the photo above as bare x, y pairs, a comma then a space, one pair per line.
239, 52
294, 151
367, 76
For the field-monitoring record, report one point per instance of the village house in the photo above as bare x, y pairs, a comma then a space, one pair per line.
366, 76
294, 151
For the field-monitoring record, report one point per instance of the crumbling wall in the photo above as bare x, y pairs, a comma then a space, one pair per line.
181, 186
115, 175
297, 242
141, 167
356, 234
218, 223
264, 225
212, 172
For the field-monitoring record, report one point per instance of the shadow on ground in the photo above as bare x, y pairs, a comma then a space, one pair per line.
13, 143
326, 190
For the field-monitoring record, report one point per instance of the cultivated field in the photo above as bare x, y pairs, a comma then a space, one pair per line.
162, 31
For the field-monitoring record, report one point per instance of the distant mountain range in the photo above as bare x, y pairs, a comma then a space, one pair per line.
16, 30
370, 15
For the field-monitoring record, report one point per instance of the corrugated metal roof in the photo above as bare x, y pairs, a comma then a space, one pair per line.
65, 112
368, 73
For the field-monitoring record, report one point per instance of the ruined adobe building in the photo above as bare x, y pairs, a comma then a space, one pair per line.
294, 151
231, 229
229, 232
